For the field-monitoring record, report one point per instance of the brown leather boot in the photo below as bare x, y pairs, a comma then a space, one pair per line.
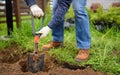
82, 55
52, 45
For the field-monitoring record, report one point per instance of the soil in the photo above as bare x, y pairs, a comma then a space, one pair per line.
14, 62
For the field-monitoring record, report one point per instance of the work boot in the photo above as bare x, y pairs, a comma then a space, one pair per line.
52, 45
82, 55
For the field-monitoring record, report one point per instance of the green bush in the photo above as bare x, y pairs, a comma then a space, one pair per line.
106, 19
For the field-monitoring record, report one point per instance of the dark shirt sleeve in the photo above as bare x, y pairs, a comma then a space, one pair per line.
30, 2
58, 17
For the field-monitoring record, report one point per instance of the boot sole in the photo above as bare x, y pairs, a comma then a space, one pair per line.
45, 49
79, 60
52, 47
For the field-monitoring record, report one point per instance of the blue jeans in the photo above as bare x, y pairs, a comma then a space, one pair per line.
60, 11
83, 38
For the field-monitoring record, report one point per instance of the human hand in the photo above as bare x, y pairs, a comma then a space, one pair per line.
44, 31
36, 11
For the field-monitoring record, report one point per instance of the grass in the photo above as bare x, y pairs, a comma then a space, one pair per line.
102, 50
102, 57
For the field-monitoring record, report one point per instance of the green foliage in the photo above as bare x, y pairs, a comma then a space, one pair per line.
3, 32
112, 15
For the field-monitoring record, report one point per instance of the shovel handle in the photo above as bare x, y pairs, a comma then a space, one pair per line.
35, 48
36, 40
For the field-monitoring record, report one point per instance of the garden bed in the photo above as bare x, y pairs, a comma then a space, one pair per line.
13, 62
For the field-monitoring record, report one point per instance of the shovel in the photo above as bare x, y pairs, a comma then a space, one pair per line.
35, 59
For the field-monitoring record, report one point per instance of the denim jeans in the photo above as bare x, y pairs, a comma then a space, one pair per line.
60, 11
83, 38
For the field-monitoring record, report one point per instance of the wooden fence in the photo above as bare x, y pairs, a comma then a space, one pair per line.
18, 9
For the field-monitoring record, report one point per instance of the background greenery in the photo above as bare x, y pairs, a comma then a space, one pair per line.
105, 47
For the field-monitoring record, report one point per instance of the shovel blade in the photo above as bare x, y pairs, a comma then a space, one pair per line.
35, 62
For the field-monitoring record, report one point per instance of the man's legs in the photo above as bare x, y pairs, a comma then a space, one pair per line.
82, 29
57, 32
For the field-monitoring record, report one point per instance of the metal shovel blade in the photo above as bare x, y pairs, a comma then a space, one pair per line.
35, 62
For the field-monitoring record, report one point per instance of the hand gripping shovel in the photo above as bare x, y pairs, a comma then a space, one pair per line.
35, 59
